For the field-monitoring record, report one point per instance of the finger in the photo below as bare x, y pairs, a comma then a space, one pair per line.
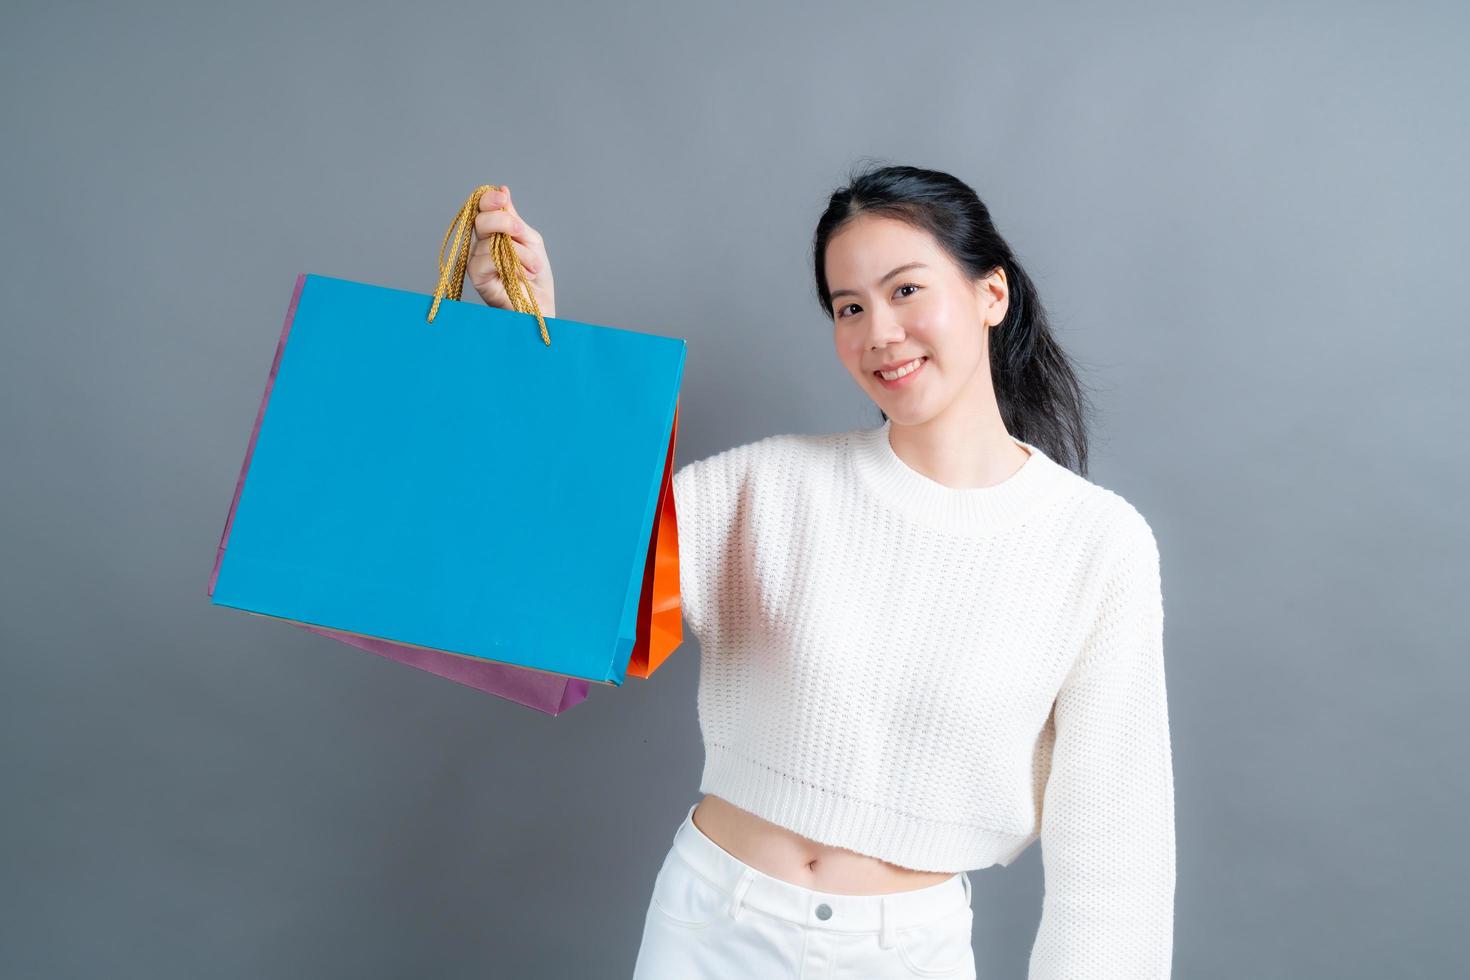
532, 254
532, 257
494, 199
488, 223
500, 202
531, 261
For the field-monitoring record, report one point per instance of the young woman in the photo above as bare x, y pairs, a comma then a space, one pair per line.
925, 644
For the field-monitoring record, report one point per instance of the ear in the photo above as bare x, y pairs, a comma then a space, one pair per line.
992, 297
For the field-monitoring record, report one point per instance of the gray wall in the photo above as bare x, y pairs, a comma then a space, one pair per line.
1248, 221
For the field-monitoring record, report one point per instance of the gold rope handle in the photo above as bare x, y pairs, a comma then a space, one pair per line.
507, 263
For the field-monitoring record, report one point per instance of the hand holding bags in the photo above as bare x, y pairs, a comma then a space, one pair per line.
442, 486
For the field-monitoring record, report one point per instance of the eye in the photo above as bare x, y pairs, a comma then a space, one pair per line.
908, 285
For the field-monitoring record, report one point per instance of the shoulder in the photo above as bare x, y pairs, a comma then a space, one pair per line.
1128, 530
1115, 530
1120, 584
780, 451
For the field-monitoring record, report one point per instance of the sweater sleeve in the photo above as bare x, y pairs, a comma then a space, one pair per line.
1107, 821
706, 505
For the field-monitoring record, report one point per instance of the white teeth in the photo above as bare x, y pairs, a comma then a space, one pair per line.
908, 368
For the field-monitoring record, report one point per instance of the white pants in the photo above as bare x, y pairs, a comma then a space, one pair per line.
714, 917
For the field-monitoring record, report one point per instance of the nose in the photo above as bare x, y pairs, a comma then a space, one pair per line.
884, 328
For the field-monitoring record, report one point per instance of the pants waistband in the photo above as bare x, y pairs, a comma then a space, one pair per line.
751, 888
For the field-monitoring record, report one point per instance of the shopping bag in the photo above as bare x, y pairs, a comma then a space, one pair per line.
439, 488
549, 693
660, 616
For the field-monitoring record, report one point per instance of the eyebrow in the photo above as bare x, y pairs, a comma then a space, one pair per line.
902, 268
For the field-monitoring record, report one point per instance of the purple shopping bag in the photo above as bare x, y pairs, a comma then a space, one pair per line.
537, 689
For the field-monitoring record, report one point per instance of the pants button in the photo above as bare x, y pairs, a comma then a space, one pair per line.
824, 911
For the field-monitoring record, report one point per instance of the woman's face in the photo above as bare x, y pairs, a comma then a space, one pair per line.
930, 312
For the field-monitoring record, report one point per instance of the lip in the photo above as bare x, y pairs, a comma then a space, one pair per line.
906, 379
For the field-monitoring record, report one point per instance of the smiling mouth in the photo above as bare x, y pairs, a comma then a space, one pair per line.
903, 371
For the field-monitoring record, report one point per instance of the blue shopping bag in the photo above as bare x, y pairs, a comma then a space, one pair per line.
460, 485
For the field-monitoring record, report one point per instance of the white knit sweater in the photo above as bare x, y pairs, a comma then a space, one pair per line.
939, 677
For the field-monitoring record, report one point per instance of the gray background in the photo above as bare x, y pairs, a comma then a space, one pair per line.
1248, 221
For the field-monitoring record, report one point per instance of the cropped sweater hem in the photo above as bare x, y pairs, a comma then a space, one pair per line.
832, 818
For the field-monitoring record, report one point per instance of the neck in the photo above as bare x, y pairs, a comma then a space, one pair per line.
959, 453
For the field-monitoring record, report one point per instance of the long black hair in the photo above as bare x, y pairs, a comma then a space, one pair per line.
1040, 398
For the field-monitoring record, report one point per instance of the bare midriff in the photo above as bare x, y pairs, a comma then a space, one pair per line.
782, 854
